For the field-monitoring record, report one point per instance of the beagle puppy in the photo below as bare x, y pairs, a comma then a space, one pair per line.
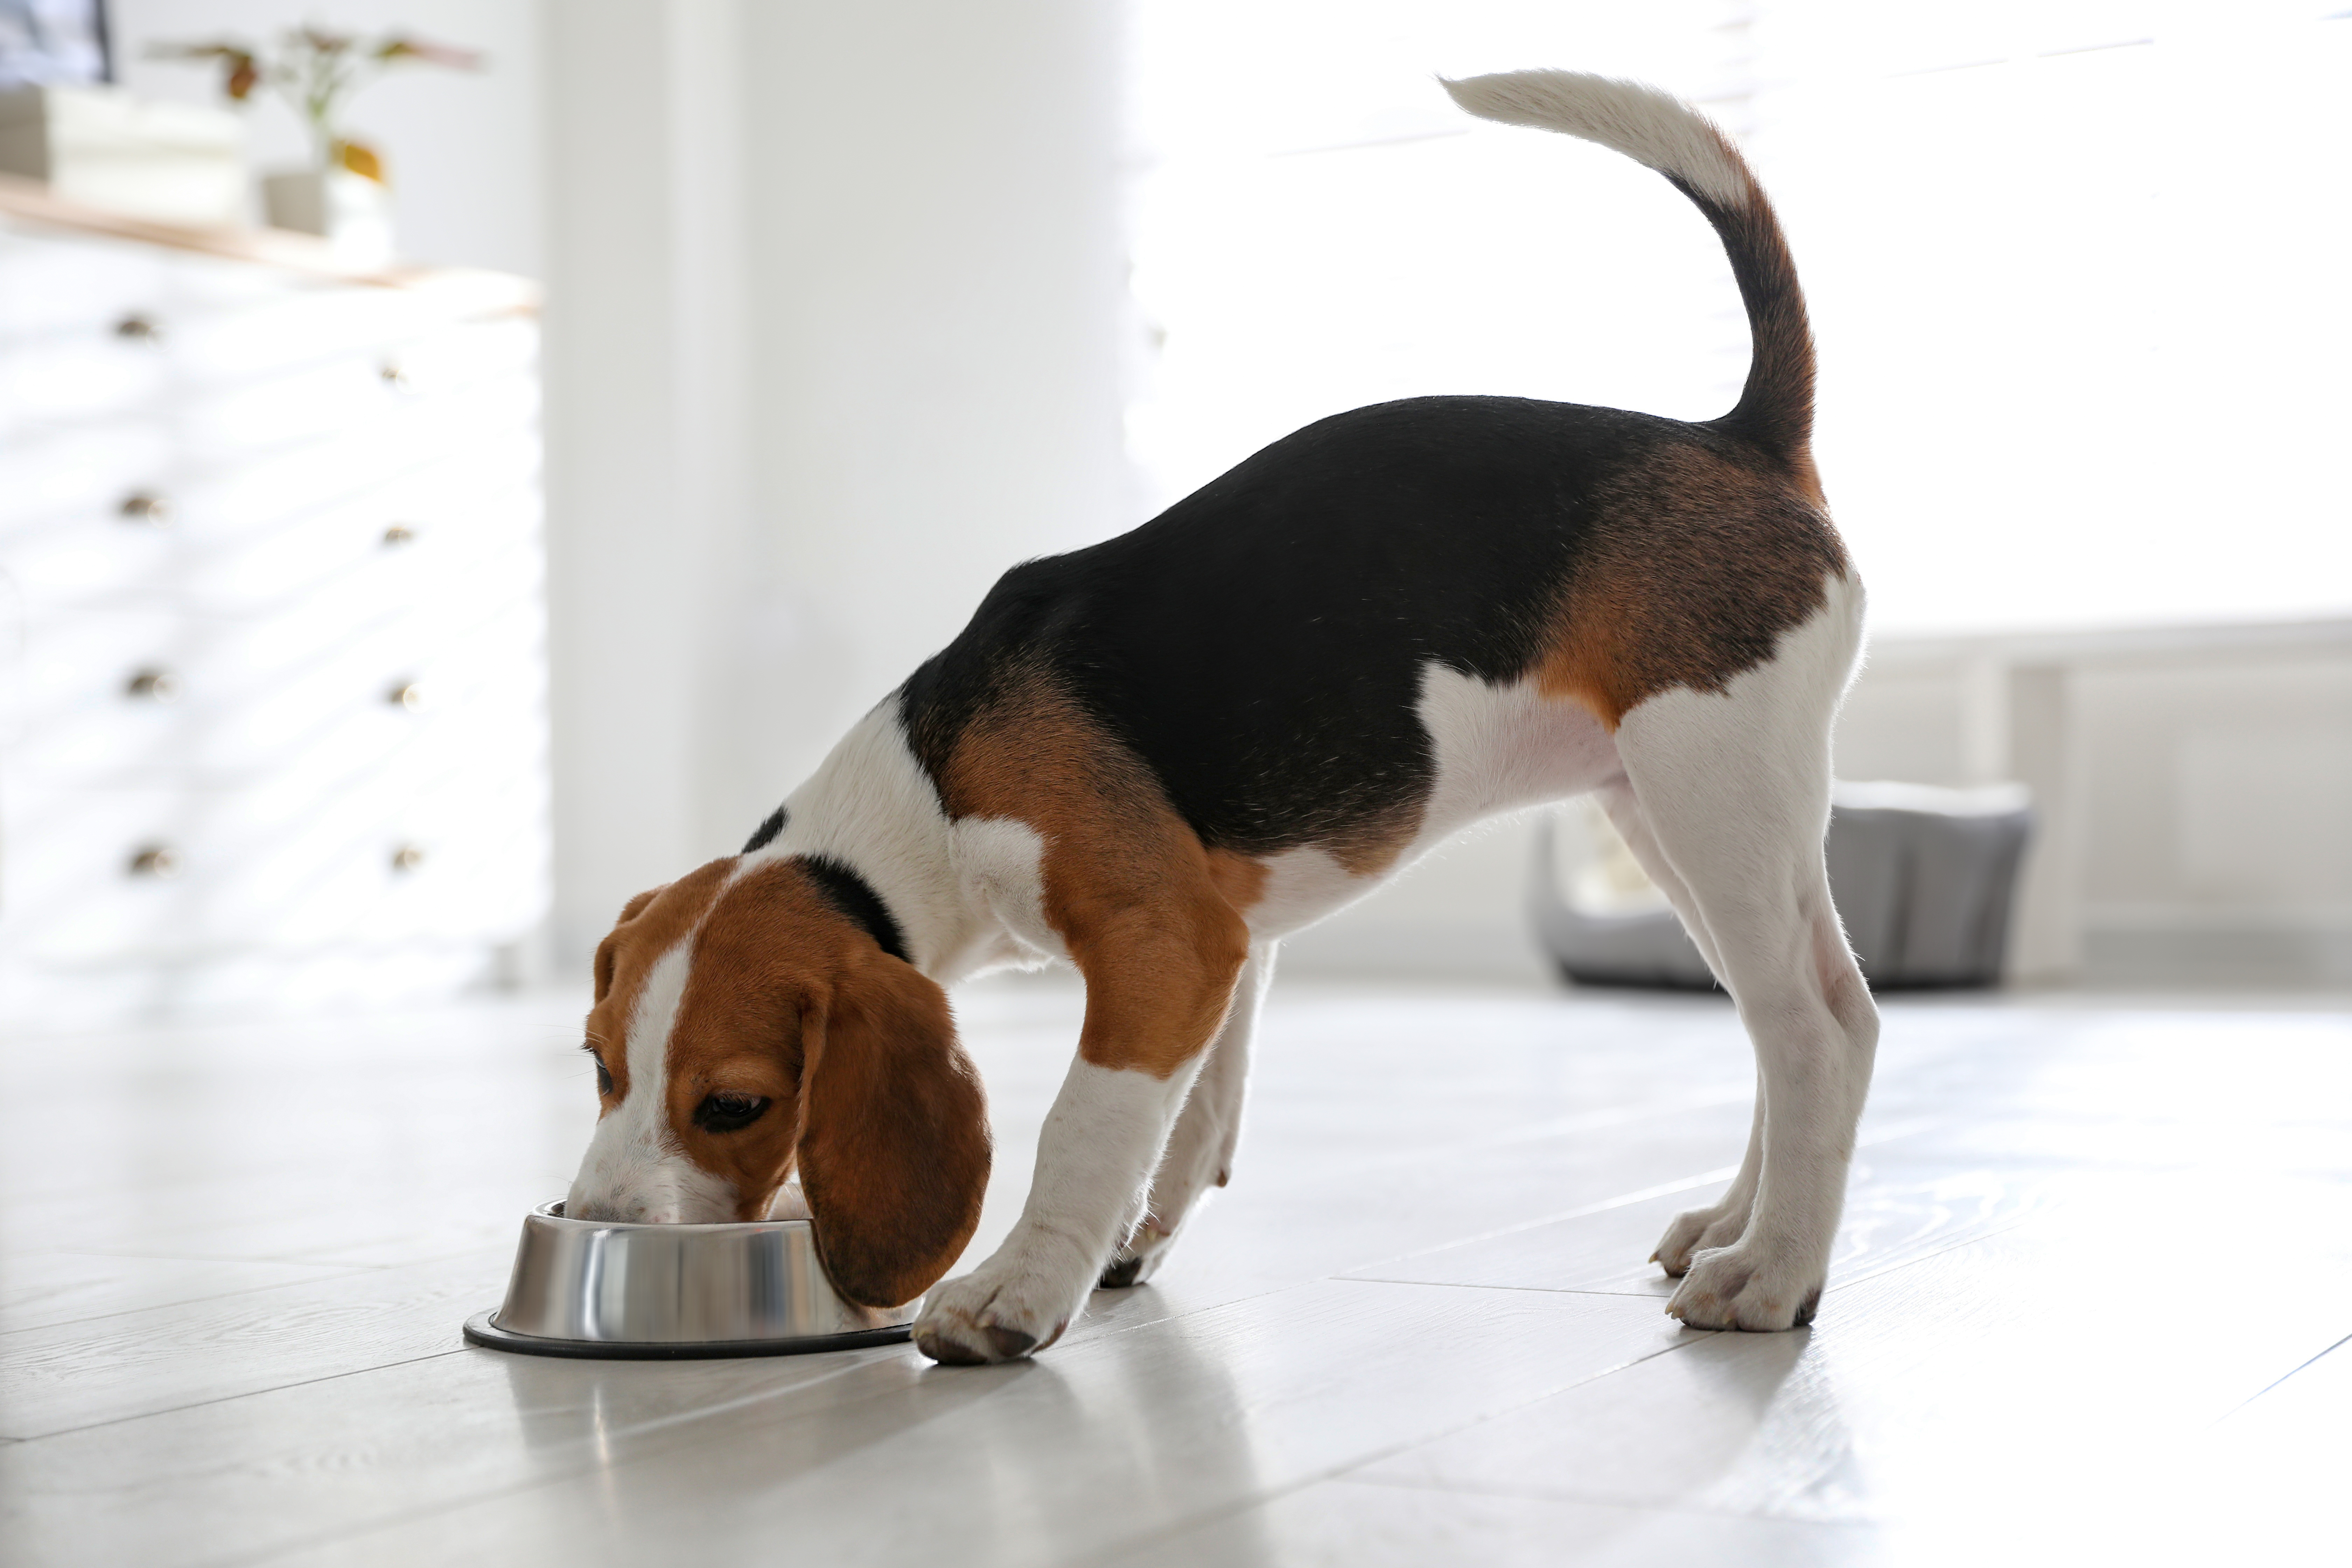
1155, 757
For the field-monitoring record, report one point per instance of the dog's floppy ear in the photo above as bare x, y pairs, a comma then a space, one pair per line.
894, 1135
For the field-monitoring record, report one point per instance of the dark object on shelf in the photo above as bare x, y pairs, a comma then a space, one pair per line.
1924, 879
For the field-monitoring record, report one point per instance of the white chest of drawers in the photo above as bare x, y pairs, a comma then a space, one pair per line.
272, 677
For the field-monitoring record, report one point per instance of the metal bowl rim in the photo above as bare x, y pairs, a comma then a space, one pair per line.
547, 1213
484, 1330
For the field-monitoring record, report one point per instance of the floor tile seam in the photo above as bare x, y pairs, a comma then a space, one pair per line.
1212, 1516
325, 1277
290, 1259
1951, 1245
1599, 1499
1109, 1333
2299, 1367
151, 1255
542, 1481
335, 1274
493, 1248
1556, 1127
1880, 1271
1623, 1200
683, 1418
1684, 1341
233, 1398
1482, 1285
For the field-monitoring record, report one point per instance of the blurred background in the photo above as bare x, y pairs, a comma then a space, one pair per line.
381, 606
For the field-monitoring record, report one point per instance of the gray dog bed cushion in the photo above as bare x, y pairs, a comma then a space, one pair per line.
1924, 879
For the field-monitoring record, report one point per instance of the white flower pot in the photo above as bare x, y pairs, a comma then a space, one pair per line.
352, 212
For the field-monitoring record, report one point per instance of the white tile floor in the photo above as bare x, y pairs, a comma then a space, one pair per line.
2090, 1306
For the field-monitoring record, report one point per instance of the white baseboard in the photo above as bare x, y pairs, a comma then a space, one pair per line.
1491, 951
2126, 944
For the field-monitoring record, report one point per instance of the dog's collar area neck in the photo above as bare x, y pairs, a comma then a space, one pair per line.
855, 897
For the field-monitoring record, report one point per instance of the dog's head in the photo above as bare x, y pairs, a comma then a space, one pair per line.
746, 1027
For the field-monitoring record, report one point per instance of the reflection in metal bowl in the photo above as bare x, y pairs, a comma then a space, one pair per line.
583, 1287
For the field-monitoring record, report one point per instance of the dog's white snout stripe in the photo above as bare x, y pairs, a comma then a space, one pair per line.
633, 1171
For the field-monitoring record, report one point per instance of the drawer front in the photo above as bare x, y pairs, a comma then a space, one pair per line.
54, 286
91, 519
301, 863
61, 382
345, 671
272, 650
92, 327
160, 873
121, 695
118, 520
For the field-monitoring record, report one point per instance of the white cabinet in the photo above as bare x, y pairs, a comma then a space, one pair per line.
272, 666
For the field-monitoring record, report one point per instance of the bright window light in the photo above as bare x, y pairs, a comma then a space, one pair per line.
2076, 268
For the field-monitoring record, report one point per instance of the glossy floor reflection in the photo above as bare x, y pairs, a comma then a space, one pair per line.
2091, 1302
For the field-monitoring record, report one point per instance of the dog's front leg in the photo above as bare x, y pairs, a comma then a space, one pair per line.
1199, 1152
1158, 989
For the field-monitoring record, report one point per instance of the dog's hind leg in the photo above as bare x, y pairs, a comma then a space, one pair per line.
1199, 1152
1720, 1223
1734, 789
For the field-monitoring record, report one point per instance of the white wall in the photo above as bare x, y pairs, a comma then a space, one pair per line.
836, 328
940, 315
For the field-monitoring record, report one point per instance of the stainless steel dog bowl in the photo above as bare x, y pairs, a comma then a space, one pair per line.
587, 1288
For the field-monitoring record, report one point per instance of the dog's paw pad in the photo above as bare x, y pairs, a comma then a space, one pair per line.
997, 1314
945, 1349
1010, 1345
1122, 1273
1694, 1231
1730, 1287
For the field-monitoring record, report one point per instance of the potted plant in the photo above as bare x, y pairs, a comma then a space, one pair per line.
341, 194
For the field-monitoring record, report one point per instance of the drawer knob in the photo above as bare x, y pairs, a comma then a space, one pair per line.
152, 686
146, 506
139, 327
159, 861
407, 857
392, 376
398, 534
406, 694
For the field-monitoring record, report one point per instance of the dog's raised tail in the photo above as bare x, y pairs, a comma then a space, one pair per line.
1776, 408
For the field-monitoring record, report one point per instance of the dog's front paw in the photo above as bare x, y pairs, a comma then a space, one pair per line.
1742, 1288
1694, 1231
995, 1315
1140, 1258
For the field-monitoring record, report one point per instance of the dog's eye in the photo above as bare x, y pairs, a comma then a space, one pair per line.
729, 1112
603, 1078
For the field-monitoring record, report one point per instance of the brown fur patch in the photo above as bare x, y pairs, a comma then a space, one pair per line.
893, 1148
651, 924
1369, 848
1239, 879
1695, 567
1149, 916
790, 1001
